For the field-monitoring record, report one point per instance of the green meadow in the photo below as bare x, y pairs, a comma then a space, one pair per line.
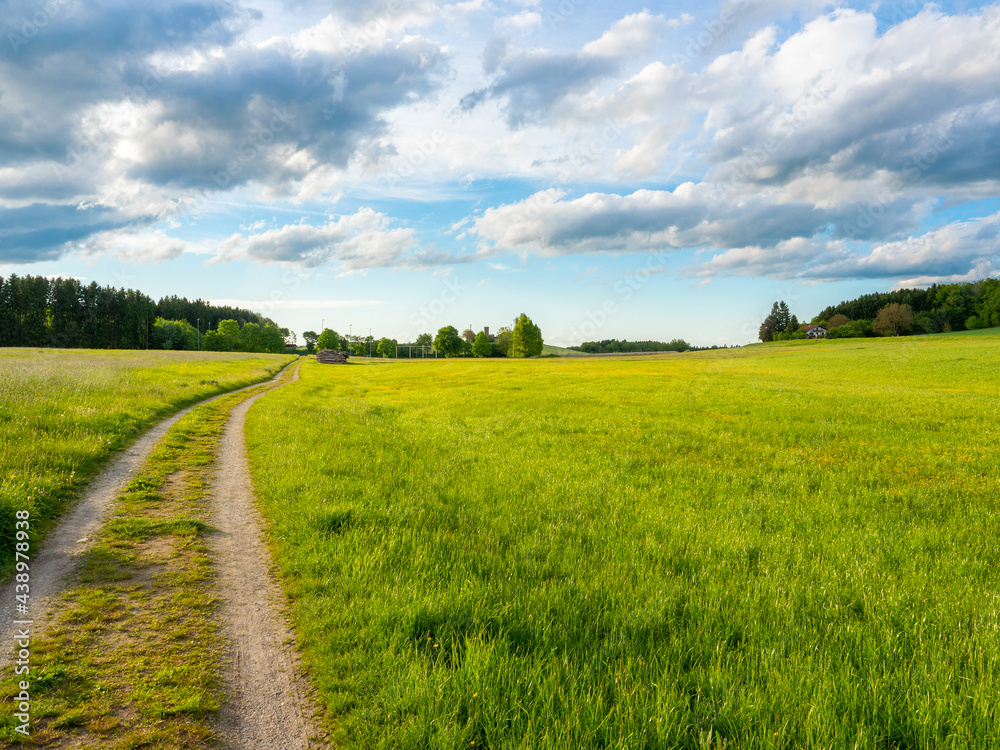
785, 546
64, 412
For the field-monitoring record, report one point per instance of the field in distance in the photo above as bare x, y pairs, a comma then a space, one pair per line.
781, 547
63, 412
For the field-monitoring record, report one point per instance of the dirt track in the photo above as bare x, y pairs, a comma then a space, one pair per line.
60, 553
268, 706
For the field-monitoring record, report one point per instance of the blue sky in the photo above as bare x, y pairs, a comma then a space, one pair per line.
623, 170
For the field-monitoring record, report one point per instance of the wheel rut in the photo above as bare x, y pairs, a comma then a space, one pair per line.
268, 706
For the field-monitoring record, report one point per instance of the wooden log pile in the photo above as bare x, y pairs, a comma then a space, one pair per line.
332, 357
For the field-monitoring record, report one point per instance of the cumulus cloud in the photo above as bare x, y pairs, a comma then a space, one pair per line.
134, 247
354, 242
838, 97
532, 83
959, 251
174, 103
691, 216
351, 243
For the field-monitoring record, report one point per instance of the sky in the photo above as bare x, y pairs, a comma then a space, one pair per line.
614, 170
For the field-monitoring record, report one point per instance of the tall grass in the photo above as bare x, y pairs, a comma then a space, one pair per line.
793, 546
64, 412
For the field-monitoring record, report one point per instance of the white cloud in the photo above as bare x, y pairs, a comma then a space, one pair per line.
526, 20
134, 246
692, 215
353, 242
631, 35
960, 251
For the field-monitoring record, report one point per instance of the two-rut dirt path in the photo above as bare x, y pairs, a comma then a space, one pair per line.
267, 706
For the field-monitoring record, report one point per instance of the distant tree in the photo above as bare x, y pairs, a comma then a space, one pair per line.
213, 341
230, 332
447, 342
250, 338
290, 338
502, 343
386, 347
271, 339
174, 334
330, 339
424, 339
469, 335
837, 320
358, 346
311, 337
482, 346
526, 338
893, 320
771, 324
784, 316
793, 325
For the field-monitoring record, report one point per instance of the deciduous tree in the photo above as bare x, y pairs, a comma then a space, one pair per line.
330, 339
482, 346
893, 320
250, 338
386, 347
230, 332
526, 338
502, 343
447, 342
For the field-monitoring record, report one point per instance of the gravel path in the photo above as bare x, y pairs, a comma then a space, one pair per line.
268, 705
61, 551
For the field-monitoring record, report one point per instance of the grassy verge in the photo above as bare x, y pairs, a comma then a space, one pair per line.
133, 656
787, 547
63, 413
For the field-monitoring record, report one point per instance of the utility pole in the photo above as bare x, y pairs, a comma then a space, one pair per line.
369, 342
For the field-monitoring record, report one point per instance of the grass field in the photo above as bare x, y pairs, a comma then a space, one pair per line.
64, 412
790, 546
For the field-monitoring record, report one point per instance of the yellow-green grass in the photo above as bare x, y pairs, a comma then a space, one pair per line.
65, 412
791, 546
133, 656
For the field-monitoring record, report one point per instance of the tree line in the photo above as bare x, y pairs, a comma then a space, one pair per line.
614, 346
937, 309
523, 339
64, 313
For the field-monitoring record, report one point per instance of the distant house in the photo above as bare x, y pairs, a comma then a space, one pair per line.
815, 332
